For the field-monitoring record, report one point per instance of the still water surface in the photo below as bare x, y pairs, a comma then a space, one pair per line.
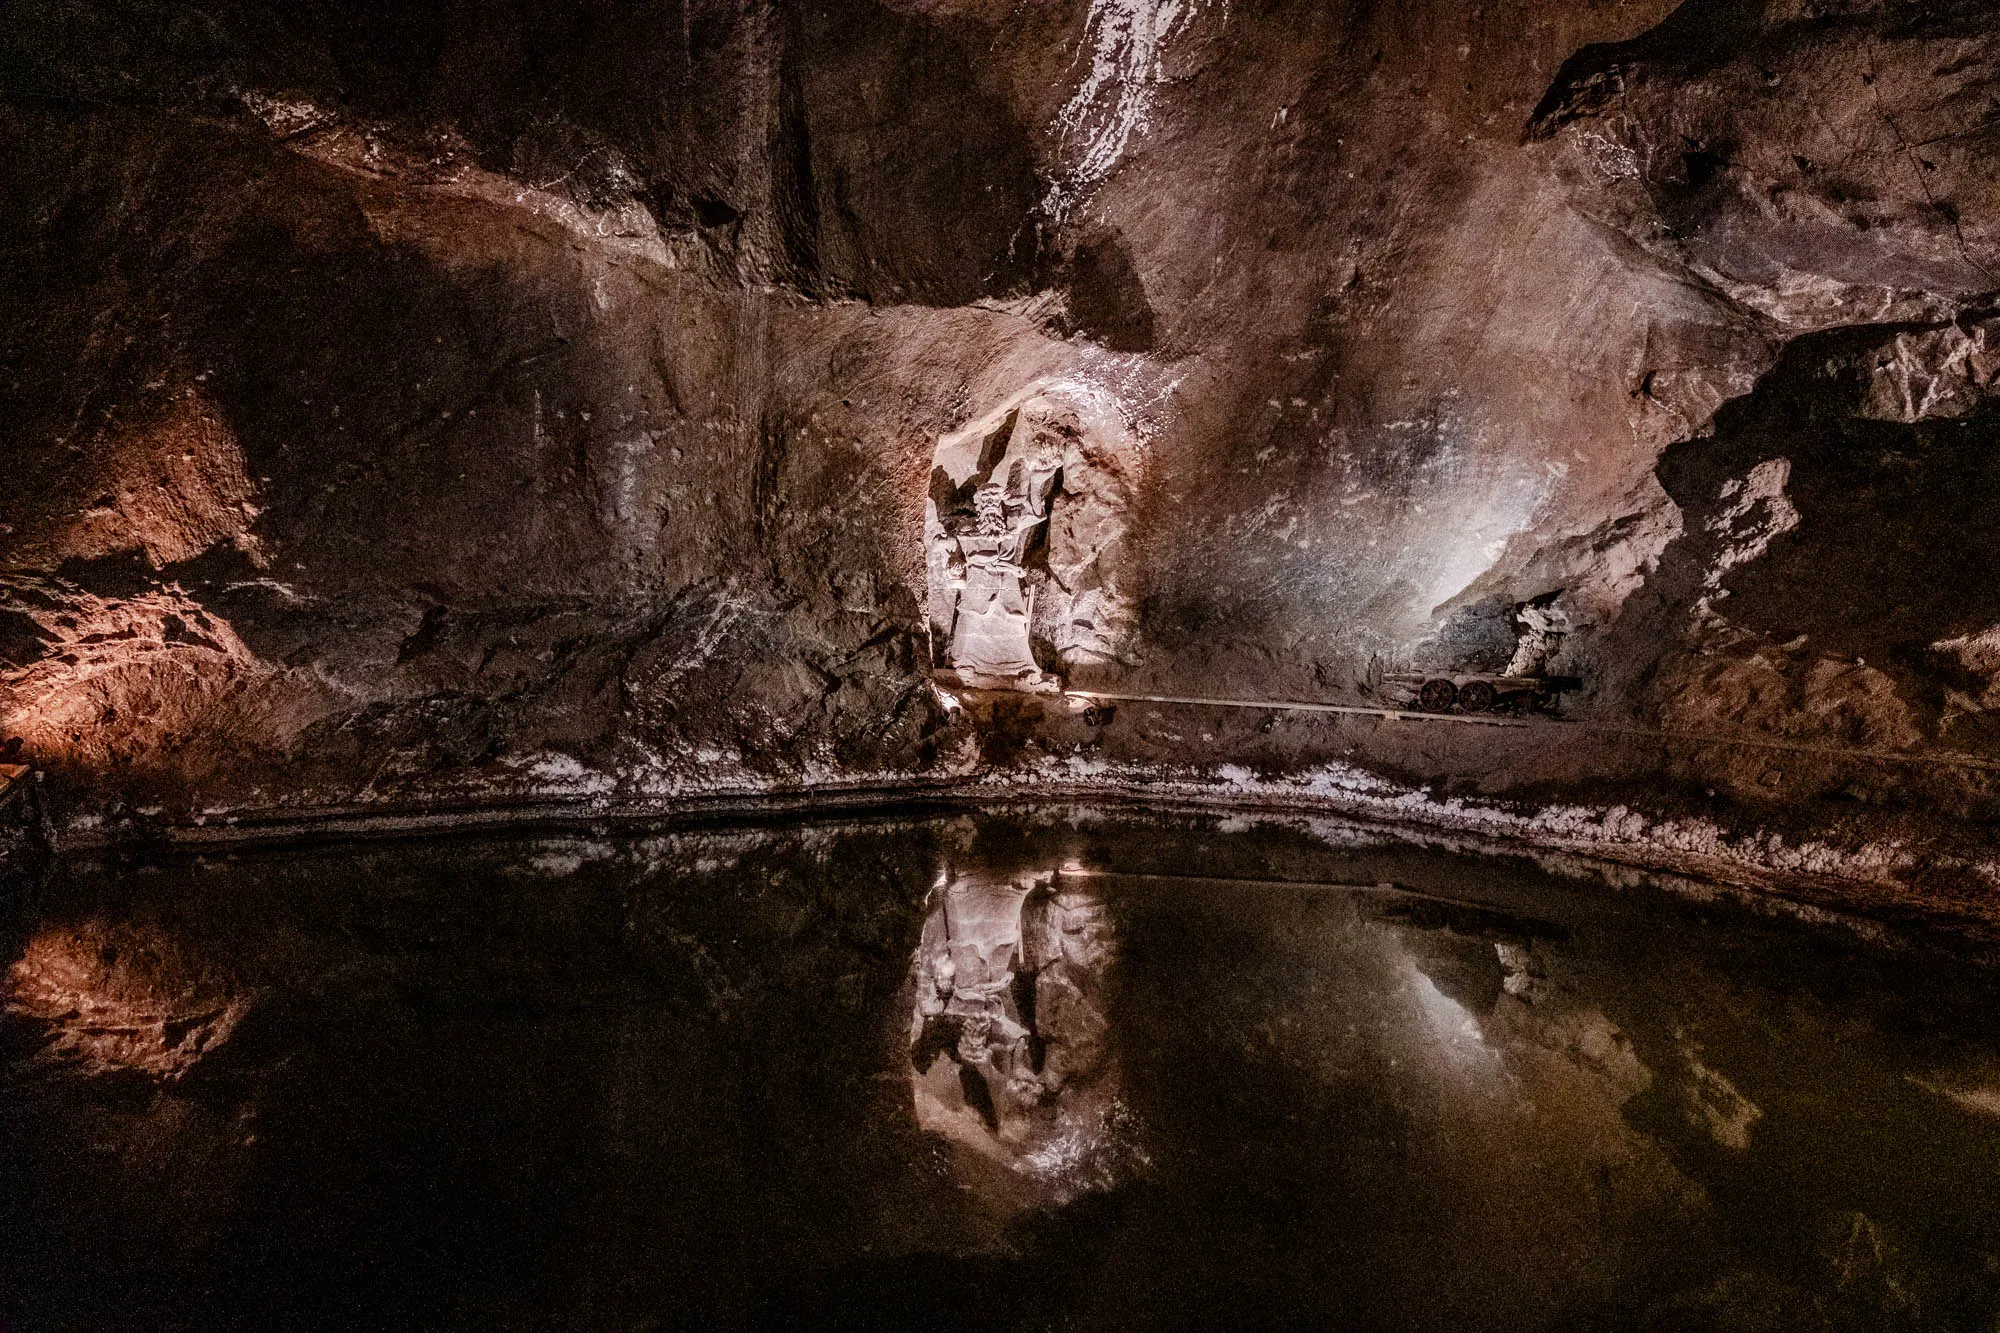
1062, 1069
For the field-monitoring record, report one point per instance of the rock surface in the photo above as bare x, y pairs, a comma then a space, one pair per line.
434, 407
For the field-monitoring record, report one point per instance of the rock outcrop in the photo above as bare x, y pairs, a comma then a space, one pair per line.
429, 408
1026, 535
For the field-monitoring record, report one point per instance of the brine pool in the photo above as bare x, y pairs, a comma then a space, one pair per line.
1056, 1068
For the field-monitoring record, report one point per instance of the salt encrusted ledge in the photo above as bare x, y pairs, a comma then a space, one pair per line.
1949, 879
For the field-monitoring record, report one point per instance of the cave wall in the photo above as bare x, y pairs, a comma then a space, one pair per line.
441, 402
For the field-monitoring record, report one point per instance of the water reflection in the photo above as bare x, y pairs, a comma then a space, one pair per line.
1079, 1069
1011, 1042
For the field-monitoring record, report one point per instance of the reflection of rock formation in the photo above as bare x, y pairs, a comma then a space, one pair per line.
1010, 1036
1024, 534
89, 997
1549, 1032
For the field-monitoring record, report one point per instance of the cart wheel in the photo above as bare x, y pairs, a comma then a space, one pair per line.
1477, 696
1438, 696
1093, 716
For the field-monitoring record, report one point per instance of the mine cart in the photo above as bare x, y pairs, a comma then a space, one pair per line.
1467, 691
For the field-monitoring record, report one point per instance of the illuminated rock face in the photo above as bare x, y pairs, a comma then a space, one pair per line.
979, 551
1025, 538
528, 411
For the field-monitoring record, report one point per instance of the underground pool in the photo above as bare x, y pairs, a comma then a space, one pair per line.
1023, 1068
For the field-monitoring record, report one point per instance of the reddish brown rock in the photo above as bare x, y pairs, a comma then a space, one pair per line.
510, 408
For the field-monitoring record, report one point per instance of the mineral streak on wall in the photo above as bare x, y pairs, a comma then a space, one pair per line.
430, 407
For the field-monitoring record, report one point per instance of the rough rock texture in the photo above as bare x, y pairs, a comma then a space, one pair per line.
447, 405
1025, 537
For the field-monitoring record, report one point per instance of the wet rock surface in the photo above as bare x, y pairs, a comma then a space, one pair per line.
1048, 1068
422, 409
